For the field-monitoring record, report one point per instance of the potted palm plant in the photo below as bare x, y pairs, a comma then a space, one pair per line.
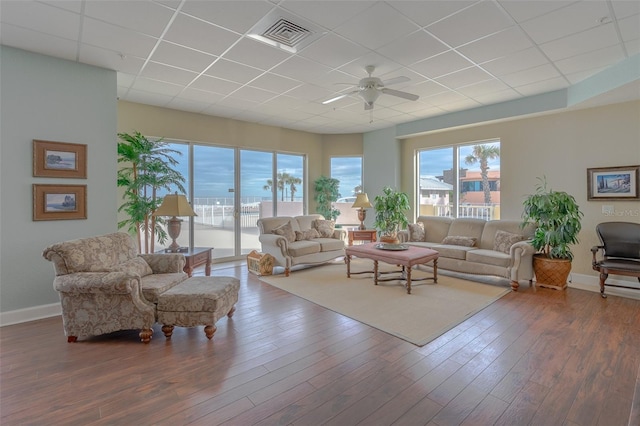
557, 218
326, 194
390, 214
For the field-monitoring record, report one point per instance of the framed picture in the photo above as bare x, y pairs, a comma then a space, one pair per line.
59, 202
59, 159
613, 183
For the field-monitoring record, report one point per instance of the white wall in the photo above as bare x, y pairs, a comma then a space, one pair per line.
57, 100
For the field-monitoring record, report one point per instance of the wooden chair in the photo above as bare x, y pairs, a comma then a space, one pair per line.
620, 252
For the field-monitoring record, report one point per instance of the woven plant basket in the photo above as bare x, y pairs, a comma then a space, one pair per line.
551, 273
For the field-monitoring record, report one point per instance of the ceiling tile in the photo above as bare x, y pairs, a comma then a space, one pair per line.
442, 64
256, 54
70, 5
328, 17
131, 14
513, 62
110, 60
577, 44
200, 35
169, 74
186, 105
233, 71
472, 23
428, 12
591, 60
333, 51
299, 68
496, 45
376, 26
183, 57
464, 78
34, 41
42, 18
527, 9
413, 48
310, 91
200, 95
146, 97
155, 86
543, 86
630, 27
275, 83
482, 88
576, 17
238, 16
625, 8
116, 39
253, 94
213, 84
531, 75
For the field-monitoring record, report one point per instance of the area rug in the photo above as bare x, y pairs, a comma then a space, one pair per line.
429, 311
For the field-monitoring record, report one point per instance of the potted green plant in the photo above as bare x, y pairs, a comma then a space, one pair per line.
327, 194
557, 218
390, 213
147, 168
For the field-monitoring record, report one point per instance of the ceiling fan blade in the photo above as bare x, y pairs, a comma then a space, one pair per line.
337, 98
398, 93
396, 80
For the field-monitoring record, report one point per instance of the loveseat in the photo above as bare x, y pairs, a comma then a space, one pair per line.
476, 246
105, 285
308, 239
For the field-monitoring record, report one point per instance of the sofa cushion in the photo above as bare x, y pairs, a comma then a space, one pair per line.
303, 248
504, 240
457, 240
324, 227
489, 257
155, 284
416, 231
467, 227
330, 244
435, 227
453, 252
286, 231
307, 235
137, 266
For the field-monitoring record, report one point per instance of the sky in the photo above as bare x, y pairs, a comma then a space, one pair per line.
434, 161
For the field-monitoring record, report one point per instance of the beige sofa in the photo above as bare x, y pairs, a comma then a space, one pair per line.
476, 246
292, 240
105, 285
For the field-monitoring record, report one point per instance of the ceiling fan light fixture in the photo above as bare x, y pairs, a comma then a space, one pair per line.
370, 94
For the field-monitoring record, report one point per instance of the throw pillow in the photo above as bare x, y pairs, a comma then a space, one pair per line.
416, 232
324, 227
504, 240
137, 266
286, 231
307, 235
455, 240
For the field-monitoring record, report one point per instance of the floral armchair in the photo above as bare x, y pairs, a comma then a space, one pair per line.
105, 285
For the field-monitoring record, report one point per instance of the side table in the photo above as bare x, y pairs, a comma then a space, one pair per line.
194, 257
365, 235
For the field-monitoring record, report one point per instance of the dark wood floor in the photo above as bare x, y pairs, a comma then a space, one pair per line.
540, 357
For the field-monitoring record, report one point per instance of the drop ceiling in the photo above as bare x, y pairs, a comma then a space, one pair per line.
199, 56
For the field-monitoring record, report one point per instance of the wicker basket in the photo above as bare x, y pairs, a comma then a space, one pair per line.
260, 263
551, 273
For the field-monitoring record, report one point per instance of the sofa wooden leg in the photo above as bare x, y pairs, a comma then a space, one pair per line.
168, 331
515, 285
72, 339
230, 314
209, 330
286, 272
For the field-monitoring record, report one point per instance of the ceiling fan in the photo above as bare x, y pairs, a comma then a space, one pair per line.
369, 88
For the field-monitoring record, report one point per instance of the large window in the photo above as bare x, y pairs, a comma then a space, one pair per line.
460, 181
348, 170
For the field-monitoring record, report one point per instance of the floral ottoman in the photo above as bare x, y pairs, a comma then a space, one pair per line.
197, 301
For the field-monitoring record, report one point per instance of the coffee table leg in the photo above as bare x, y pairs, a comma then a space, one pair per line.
435, 271
375, 272
348, 259
409, 280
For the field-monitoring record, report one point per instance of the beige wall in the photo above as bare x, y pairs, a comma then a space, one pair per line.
560, 146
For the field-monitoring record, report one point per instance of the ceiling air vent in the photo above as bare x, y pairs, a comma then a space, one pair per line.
286, 32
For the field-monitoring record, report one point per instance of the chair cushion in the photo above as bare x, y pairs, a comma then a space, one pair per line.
155, 284
137, 266
198, 294
504, 240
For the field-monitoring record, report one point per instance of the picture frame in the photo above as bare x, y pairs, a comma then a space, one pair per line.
59, 202
613, 183
59, 159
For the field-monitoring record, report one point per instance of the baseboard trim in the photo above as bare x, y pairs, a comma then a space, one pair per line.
591, 283
30, 314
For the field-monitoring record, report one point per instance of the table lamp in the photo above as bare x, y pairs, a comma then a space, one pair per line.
174, 205
362, 203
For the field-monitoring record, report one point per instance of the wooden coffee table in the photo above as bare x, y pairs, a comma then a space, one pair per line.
407, 258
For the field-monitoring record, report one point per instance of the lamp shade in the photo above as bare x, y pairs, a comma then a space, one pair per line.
174, 205
362, 202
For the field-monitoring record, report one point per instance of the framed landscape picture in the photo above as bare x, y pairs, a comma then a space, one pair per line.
59, 159
613, 183
59, 202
